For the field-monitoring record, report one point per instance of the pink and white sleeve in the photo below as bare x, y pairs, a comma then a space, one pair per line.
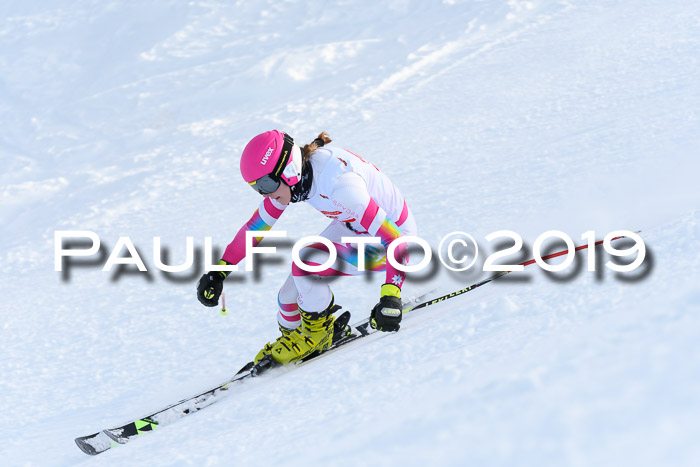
263, 219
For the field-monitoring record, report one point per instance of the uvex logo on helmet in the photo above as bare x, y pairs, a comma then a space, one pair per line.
266, 156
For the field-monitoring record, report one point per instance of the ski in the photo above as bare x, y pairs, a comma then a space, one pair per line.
101, 441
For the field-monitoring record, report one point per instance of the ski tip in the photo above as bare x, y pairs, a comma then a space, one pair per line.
95, 443
85, 447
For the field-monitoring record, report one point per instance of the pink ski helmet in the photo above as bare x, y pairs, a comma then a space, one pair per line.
269, 158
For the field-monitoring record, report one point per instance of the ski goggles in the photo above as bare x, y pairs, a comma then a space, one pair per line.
266, 184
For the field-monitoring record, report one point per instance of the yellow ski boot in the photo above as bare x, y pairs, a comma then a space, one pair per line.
268, 347
314, 335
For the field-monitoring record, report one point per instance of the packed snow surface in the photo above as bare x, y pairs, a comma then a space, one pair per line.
128, 118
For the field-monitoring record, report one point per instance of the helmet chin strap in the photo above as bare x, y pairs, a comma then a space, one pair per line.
300, 190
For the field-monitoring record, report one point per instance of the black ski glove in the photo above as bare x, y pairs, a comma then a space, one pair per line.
209, 288
386, 315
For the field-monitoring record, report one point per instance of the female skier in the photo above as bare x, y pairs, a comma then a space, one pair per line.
360, 200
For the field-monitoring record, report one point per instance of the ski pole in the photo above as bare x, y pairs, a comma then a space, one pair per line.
496, 276
223, 309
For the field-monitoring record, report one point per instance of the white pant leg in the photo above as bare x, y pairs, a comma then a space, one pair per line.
288, 312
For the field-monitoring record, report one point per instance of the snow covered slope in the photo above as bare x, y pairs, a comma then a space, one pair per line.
128, 118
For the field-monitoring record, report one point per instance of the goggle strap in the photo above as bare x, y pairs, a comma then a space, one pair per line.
286, 154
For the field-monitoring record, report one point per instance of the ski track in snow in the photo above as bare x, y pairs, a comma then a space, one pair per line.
128, 120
